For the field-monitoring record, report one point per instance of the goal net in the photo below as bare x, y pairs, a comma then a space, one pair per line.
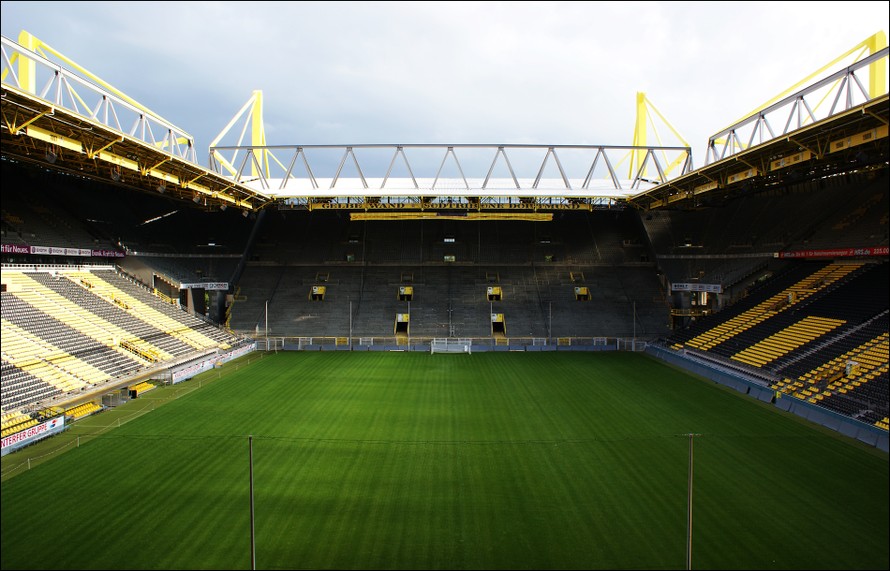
451, 345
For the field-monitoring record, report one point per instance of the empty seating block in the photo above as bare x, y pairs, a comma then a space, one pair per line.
787, 340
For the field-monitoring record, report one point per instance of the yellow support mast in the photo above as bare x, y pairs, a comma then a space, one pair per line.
645, 111
252, 112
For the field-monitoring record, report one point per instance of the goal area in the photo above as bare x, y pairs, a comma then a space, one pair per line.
451, 345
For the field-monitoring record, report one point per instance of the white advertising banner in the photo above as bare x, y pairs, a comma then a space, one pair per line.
710, 288
24, 437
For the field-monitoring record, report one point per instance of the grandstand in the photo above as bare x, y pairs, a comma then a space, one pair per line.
122, 278
777, 277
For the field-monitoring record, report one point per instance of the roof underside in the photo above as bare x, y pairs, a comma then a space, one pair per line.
855, 139
35, 131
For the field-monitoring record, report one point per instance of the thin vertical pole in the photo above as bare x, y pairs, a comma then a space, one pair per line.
633, 346
252, 534
550, 323
267, 325
689, 506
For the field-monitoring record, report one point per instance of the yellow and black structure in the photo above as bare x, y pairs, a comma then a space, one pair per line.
401, 328
498, 326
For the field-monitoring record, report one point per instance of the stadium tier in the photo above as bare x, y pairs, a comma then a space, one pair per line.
427, 369
71, 331
713, 282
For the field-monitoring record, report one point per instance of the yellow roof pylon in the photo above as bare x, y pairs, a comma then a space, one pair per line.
252, 113
646, 111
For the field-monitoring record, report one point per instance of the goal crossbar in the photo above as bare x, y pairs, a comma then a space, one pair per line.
451, 345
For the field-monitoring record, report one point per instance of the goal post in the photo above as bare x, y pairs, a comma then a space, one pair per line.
451, 345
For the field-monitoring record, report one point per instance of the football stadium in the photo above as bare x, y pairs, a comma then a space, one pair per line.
443, 356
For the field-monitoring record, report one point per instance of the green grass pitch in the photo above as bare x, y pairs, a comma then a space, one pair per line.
415, 461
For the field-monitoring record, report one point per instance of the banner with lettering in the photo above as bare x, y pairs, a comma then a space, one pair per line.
54, 251
835, 253
37, 432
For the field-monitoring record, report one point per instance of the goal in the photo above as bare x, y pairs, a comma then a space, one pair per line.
451, 345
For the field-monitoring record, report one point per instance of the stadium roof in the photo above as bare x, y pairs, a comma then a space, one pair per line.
84, 127
855, 139
36, 131
87, 128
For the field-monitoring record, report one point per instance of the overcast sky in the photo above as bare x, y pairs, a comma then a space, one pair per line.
450, 72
